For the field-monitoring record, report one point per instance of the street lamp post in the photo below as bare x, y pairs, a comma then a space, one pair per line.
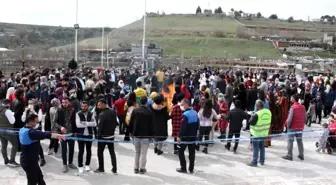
22, 55
102, 52
144, 37
76, 26
107, 52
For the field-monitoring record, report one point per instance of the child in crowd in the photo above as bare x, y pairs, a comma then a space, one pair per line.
310, 115
322, 143
223, 109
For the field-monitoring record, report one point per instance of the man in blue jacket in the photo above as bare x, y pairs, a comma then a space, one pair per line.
30, 145
188, 133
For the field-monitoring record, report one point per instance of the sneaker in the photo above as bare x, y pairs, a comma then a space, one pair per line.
262, 163
288, 158
252, 164
80, 170
127, 139
180, 170
65, 169
159, 152
136, 171
50, 152
42, 162
13, 164
227, 147
197, 148
205, 150
87, 168
99, 171
142, 171
301, 157
72, 166
175, 152
114, 171
155, 150
6, 162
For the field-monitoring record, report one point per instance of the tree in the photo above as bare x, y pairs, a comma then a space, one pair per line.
291, 19
232, 10
249, 17
259, 15
273, 16
241, 12
198, 10
219, 10
237, 14
72, 64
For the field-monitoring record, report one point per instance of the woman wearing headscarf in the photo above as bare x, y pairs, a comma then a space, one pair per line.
275, 127
130, 105
161, 118
50, 115
283, 104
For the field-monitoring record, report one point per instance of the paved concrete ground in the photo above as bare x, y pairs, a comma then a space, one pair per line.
217, 168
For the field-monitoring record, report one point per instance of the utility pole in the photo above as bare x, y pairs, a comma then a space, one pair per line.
144, 38
102, 52
76, 33
22, 56
107, 52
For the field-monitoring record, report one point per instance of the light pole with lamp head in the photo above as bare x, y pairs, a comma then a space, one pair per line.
76, 26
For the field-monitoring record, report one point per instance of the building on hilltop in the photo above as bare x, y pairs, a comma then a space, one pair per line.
248, 15
329, 38
207, 12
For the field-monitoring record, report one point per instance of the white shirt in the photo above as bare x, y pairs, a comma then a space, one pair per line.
10, 116
39, 116
85, 124
207, 122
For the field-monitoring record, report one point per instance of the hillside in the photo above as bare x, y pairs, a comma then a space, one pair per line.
283, 28
13, 35
186, 35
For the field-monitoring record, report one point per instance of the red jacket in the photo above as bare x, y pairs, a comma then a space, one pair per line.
119, 106
185, 91
299, 116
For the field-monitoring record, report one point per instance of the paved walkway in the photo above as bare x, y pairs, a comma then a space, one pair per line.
217, 168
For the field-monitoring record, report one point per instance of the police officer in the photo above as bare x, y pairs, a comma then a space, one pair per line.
29, 139
260, 123
188, 133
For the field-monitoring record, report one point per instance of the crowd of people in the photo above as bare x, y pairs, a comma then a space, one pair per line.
91, 104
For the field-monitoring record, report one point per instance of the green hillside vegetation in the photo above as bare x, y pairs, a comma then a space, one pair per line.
13, 35
186, 35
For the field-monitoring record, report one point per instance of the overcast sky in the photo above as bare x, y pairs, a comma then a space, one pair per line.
117, 13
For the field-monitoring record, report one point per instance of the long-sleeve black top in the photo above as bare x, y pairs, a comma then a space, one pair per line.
30, 153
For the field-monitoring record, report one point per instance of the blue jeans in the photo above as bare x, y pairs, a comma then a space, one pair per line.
258, 146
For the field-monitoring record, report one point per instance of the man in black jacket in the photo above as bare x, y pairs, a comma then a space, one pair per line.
221, 84
141, 128
107, 120
235, 117
65, 122
188, 133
